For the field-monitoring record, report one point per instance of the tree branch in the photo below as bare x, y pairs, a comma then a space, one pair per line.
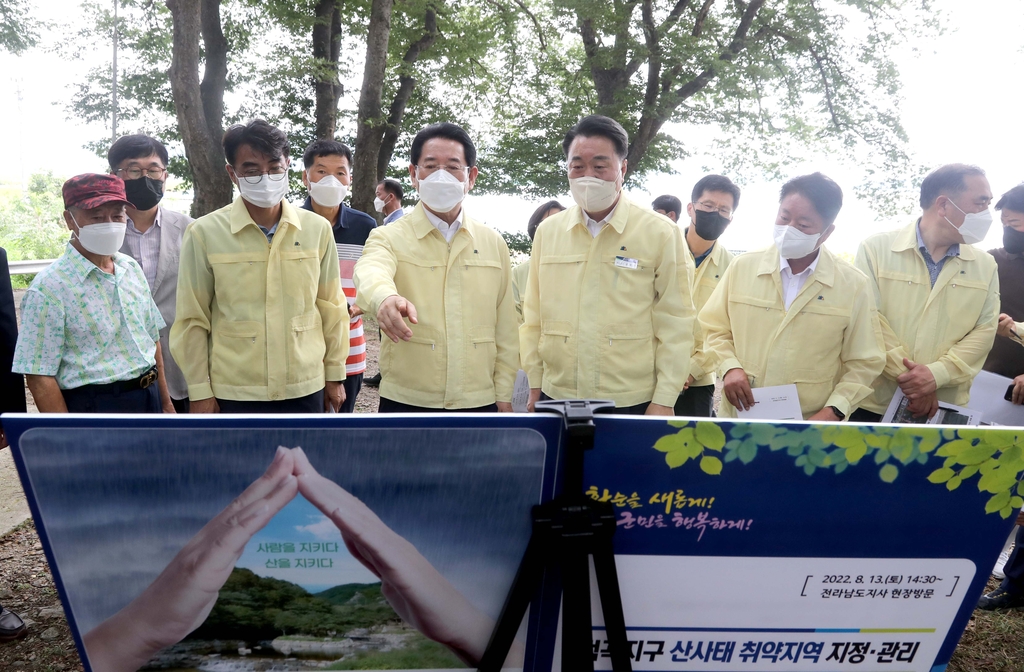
406, 86
702, 15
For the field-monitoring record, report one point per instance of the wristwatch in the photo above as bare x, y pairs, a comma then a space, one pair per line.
839, 414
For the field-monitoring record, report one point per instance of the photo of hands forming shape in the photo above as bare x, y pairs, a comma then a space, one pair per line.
184, 593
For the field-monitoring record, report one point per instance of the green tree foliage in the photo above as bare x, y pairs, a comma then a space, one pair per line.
18, 31
776, 79
31, 224
518, 242
419, 653
253, 608
995, 456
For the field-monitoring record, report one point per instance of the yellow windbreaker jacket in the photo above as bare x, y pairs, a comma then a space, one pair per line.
464, 351
949, 327
257, 321
609, 317
828, 343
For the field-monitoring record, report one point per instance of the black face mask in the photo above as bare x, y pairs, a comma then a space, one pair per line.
1013, 240
709, 225
144, 192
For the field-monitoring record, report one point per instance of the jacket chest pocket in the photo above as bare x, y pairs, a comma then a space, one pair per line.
632, 277
560, 277
815, 342
240, 279
420, 280
961, 303
300, 275
754, 321
481, 278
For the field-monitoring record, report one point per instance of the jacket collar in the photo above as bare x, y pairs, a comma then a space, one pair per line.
422, 227
619, 216
240, 216
825, 272
906, 239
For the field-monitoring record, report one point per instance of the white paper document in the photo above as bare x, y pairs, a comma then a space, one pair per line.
948, 414
988, 395
520, 392
780, 402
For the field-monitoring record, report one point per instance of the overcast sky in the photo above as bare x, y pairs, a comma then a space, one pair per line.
958, 105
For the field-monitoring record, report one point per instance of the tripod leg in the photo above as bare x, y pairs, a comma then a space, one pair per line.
577, 627
611, 606
527, 580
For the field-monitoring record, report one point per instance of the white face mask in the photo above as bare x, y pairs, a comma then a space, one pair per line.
328, 192
794, 243
975, 226
378, 204
441, 191
266, 193
102, 238
592, 193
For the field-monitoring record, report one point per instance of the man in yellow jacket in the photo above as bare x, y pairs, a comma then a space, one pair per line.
261, 324
937, 295
607, 312
796, 314
713, 201
450, 277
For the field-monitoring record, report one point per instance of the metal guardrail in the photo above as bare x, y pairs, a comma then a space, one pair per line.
26, 267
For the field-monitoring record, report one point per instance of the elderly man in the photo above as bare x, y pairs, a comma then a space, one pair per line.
937, 295
262, 324
90, 329
153, 237
450, 277
796, 314
713, 201
327, 175
607, 312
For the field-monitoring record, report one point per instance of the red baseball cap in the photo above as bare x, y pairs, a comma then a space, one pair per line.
92, 190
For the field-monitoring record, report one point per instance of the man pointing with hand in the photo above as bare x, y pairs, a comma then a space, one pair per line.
439, 284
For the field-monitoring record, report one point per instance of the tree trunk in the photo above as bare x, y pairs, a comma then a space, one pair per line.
369, 119
326, 52
406, 85
200, 106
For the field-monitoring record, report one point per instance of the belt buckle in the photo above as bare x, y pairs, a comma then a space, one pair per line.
148, 379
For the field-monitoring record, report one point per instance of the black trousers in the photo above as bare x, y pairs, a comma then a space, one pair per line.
108, 399
861, 415
311, 403
1014, 569
352, 384
180, 405
696, 402
390, 406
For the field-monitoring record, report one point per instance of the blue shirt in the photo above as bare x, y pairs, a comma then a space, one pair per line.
934, 267
394, 215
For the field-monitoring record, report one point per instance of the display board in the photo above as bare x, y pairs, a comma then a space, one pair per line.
739, 546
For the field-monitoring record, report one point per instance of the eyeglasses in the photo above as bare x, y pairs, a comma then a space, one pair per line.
272, 176
135, 173
455, 169
711, 207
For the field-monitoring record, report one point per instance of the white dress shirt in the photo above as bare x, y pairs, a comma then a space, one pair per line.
447, 230
594, 226
144, 247
793, 283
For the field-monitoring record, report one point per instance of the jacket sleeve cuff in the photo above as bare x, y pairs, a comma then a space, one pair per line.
696, 370
664, 397
728, 365
374, 301
334, 374
941, 374
200, 391
842, 403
